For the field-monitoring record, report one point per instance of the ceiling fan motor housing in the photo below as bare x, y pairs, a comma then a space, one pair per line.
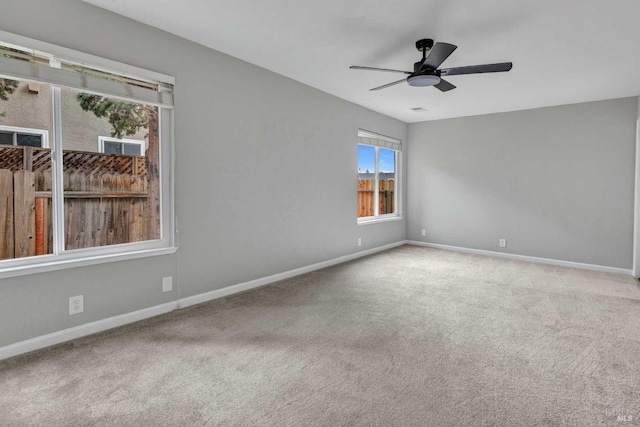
425, 44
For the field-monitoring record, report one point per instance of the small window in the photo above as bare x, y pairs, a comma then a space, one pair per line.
128, 147
378, 178
23, 137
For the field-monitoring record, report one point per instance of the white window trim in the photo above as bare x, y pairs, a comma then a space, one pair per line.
103, 139
102, 254
373, 220
398, 178
28, 131
85, 58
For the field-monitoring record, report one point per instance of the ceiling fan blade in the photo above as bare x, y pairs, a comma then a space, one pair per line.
357, 67
444, 86
477, 69
389, 84
437, 55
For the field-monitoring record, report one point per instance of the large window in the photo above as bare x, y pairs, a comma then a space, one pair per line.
378, 164
63, 198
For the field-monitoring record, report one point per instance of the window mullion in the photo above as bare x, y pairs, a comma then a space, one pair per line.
57, 180
396, 188
376, 187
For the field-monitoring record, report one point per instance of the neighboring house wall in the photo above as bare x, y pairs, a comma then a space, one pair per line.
27, 109
556, 182
82, 128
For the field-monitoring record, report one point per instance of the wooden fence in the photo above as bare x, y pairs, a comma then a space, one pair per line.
366, 197
105, 200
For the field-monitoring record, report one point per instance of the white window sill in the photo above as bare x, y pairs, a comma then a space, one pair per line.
53, 264
367, 221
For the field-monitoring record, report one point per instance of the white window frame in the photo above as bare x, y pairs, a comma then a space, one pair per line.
62, 258
103, 139
393, 145
27, 131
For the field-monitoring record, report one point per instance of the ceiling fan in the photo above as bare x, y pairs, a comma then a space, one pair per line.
426, 73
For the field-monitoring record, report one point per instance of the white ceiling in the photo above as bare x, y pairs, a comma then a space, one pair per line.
563, 51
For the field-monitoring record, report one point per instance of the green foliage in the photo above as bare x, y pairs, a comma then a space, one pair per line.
126, 118
7, 87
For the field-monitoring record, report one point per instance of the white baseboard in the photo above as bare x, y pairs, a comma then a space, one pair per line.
229, 290
525, 258
58, 337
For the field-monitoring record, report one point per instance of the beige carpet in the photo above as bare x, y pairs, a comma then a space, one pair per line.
409, 337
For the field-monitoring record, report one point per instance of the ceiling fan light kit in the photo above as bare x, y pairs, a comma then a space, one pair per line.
423, 80
426, 73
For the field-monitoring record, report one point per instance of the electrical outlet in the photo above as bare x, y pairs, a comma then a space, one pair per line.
76, 304
167, 284
424, 232
502, 243
359, 241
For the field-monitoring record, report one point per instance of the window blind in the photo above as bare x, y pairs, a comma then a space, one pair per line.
36, 66
370, 138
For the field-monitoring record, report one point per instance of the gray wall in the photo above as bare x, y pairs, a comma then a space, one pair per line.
556, 182
265, 174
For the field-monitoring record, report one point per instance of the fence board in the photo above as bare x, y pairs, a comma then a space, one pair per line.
106, 211
41, 226
6, 214
43, 217
24, 214
386, 196
96, 195
95, 184
121, 209
137, 225
27, 159
75, 212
